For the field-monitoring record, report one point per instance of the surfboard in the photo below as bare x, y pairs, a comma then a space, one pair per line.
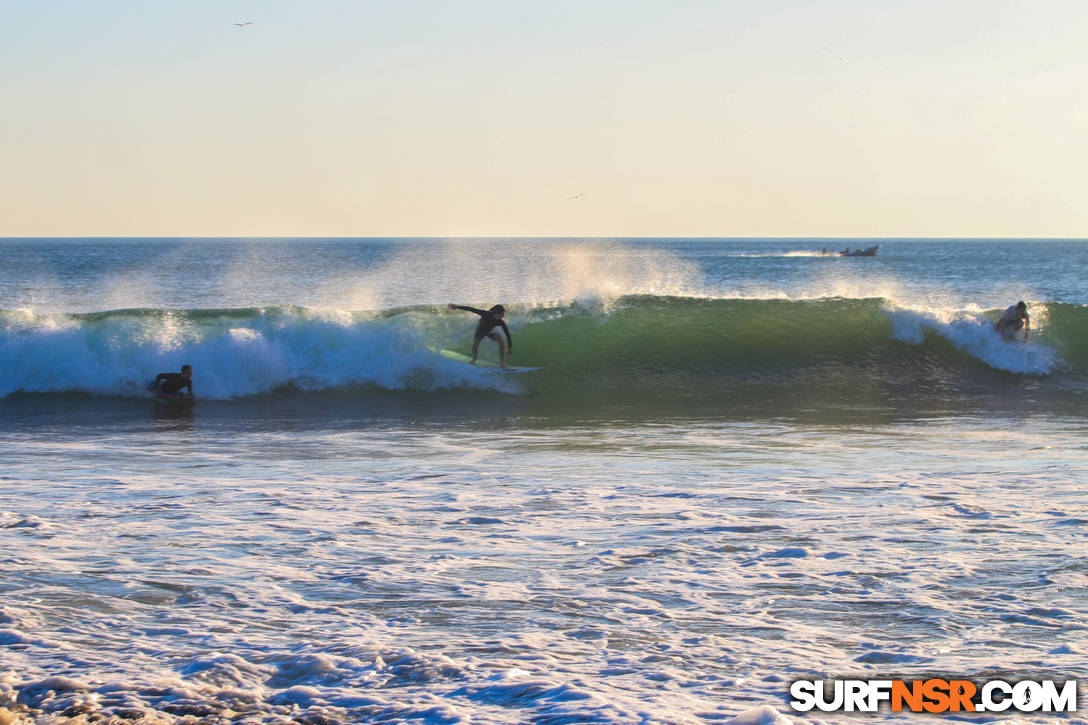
486, 365
173, 397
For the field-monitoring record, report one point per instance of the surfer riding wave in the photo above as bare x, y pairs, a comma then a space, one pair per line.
489, 320
1014, 319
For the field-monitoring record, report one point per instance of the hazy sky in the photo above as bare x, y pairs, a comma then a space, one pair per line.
482, 118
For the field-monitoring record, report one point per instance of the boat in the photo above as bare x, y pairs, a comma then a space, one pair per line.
867, 252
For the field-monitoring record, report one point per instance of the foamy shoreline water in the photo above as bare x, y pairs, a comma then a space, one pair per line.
270, 576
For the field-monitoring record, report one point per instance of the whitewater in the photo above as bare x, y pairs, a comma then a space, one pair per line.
743, 463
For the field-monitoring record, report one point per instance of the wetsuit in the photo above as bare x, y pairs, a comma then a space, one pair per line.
488, 322
172, 383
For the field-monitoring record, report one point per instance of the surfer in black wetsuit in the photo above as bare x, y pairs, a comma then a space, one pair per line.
489, 320
173, 382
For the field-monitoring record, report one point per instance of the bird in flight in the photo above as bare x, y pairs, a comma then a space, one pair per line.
578, 196
242, 25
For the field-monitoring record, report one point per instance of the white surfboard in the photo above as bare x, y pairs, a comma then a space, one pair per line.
485, 364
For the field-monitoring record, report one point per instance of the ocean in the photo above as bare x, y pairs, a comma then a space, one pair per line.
744, 463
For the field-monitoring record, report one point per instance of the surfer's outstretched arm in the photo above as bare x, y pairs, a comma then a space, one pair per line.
466, 308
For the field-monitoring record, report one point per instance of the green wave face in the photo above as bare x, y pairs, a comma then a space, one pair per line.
768, 336
724, 335
670, 353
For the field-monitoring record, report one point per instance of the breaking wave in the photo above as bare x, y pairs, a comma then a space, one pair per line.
635, 341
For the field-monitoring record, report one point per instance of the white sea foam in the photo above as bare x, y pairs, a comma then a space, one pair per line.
789, 253
304, 348
354, 576
972, 333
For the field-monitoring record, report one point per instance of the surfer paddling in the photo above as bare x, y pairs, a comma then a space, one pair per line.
1015, 319
172, 383
489, 320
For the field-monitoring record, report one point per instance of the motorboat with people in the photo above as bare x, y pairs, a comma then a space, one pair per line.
866, 252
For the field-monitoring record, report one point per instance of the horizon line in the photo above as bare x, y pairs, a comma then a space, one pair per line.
546, 237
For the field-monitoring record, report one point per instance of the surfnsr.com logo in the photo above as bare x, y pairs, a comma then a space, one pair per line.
934, 695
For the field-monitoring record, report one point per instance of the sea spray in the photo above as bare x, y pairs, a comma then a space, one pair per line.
495, 271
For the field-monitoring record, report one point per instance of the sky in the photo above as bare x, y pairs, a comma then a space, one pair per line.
587, 118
